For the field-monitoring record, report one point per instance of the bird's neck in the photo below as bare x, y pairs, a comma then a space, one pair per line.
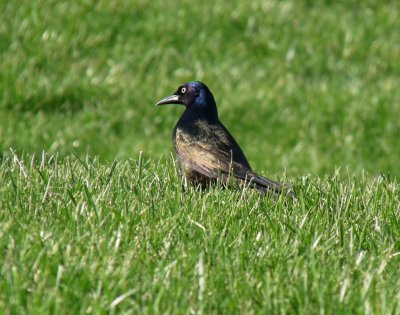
193, 114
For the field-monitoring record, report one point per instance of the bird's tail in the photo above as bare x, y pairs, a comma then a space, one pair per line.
266, 185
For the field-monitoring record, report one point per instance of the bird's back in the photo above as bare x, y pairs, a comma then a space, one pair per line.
210, 135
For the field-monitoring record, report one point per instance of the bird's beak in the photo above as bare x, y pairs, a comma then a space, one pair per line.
172, 99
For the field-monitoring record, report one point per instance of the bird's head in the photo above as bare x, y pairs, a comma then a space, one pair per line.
195, 96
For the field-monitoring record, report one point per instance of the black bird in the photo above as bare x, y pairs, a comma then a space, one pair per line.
205, 149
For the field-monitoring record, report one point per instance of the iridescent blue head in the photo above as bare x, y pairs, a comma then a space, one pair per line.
197, 98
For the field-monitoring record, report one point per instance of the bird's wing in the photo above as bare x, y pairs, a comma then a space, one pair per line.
209, 157
215, 159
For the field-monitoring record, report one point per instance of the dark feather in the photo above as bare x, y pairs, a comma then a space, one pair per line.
205, 149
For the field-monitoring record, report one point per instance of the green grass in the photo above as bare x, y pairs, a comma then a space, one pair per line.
90, 225
82, 237
314, 85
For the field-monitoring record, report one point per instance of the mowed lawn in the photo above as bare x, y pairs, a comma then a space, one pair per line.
93, 217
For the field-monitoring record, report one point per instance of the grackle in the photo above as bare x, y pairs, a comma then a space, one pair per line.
205, 149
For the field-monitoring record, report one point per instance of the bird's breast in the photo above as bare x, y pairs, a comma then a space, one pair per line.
184, 139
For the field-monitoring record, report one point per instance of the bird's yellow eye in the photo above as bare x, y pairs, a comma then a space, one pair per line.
183, 90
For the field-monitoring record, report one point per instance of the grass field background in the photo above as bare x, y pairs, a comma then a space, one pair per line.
88, 224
